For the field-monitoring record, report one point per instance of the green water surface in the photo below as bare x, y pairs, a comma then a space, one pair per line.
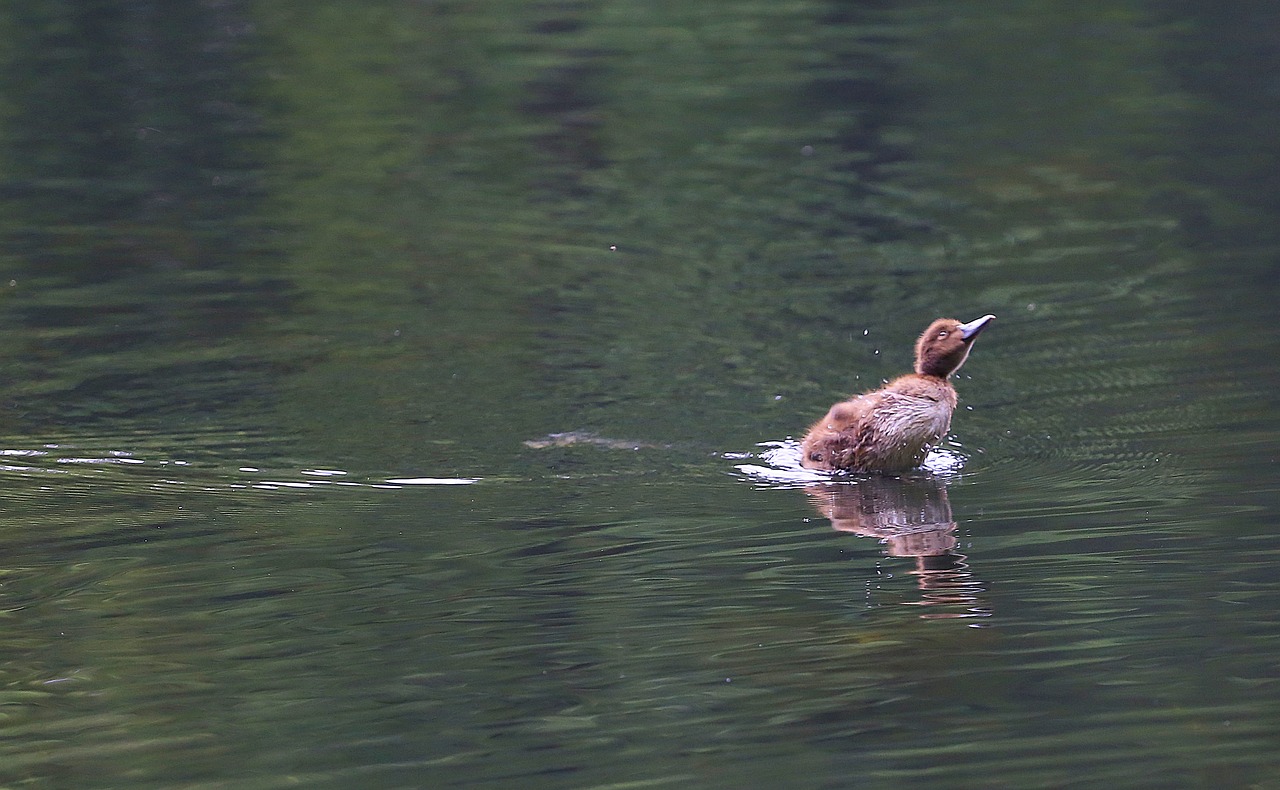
379, 381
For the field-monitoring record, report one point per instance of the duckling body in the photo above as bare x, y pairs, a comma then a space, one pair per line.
891, 429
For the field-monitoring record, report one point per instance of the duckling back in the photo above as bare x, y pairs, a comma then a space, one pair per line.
888, 430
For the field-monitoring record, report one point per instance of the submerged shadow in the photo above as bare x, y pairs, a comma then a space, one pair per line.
911, 517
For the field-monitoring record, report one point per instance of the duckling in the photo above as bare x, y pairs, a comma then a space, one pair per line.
891, 429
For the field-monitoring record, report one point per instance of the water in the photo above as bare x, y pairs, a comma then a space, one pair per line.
401, 396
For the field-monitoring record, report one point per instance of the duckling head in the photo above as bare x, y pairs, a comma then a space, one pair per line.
945, 345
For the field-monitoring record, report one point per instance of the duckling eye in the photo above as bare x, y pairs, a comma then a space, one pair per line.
942, 334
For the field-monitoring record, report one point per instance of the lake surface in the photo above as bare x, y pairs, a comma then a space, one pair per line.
401, 394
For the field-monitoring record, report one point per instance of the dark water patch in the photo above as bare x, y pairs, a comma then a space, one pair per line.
126, 122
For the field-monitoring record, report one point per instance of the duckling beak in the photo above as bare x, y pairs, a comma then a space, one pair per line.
970, 330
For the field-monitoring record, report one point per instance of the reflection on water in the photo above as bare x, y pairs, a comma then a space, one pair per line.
911, 517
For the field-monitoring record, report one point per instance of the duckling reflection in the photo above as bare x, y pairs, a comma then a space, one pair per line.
912, 518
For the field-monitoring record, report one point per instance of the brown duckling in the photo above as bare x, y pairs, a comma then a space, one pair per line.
891, 429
